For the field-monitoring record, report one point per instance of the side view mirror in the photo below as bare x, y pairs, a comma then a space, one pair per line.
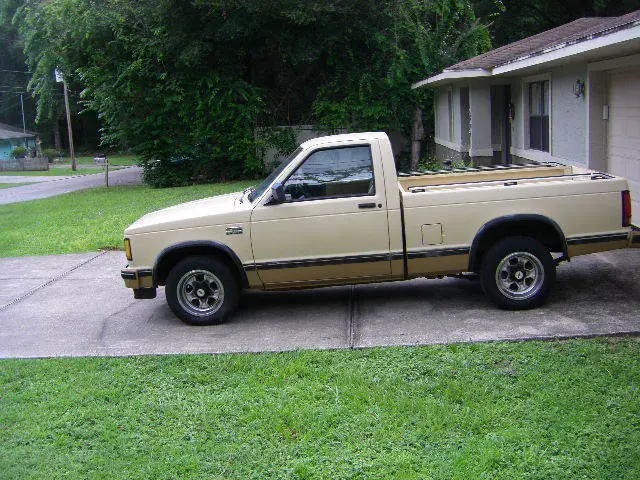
277, 194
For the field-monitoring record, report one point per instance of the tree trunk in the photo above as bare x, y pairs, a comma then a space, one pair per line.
417, 135
57, 139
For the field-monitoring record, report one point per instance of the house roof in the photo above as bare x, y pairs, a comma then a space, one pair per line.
7, 132
578, 31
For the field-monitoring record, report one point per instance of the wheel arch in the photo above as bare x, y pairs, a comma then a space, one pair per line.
174, 253
542, 228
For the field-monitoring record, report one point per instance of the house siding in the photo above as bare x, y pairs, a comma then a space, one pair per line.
569, 115
7, 145
577, 131
442, 118
5, 149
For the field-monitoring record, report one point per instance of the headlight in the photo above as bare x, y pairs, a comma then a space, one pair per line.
127, 249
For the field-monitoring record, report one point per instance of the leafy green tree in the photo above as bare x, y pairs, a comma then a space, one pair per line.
185, 84
406, 42
12, 63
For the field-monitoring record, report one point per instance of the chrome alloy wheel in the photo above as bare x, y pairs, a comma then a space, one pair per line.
200, 292
519, 275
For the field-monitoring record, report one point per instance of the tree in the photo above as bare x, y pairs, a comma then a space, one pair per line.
185, 84
403, 42
13, 80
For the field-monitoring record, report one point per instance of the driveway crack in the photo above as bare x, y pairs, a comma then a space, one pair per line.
352, 317
49, 282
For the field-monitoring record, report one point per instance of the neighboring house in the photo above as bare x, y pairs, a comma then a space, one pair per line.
570, 94
12, 137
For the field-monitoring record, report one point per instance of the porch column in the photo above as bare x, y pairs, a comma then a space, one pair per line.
480, 148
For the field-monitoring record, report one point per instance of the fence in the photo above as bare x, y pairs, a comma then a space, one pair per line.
24, 164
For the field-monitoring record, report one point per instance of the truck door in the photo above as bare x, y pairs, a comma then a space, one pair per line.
333, 225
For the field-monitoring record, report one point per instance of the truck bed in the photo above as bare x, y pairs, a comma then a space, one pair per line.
444, 210
416, 180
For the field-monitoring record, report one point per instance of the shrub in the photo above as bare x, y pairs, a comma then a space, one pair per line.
173, 172
19, 152
199, 135
51, 154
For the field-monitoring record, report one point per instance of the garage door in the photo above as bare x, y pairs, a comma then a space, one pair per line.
624, 132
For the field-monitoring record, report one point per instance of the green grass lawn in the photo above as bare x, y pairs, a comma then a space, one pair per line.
56, 171
90, 219
534, 410
9, 185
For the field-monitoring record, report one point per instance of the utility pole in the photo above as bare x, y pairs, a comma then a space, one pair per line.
66, 106
24, 129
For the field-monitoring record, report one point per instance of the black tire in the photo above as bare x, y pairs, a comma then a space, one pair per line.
518, 273
202, 290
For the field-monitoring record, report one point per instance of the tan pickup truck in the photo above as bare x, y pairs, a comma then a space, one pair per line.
337, 212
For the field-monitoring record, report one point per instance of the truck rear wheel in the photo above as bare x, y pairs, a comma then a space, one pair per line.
518, 273
201, 291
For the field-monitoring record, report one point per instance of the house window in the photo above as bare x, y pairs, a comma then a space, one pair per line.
539, 116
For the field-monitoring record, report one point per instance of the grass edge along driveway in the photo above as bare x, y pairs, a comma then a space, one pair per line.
55, 172
540, 410
88, 220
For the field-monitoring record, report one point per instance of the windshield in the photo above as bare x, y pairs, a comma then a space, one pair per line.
260, 189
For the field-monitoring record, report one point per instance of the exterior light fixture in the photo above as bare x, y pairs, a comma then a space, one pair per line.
578, 88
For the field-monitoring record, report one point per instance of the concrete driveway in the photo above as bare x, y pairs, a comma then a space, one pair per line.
44, 187
75, 305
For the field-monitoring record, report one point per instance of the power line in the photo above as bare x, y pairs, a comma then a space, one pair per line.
14, 71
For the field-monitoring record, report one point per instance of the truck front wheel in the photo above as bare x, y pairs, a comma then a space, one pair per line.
518, 273
201, 291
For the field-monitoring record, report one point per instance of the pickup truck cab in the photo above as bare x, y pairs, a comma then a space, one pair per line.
337, 212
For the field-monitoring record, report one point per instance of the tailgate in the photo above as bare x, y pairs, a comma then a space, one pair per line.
634, 237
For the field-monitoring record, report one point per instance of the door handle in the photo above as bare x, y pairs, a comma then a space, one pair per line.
367, 205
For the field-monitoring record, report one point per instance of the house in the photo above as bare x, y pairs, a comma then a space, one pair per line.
12, 137
570, 94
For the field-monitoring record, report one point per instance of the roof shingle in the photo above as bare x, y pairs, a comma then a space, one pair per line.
574, 32
8, 132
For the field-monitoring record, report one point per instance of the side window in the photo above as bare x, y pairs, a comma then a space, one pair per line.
539, 116
336, 172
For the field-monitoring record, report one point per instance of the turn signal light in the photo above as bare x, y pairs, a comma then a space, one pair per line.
127, 249
626, 208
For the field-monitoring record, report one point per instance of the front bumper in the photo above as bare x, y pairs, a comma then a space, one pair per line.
137, 278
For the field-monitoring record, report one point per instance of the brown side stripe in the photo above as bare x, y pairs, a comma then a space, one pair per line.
318, 262
383, 257
613, 237
438, 252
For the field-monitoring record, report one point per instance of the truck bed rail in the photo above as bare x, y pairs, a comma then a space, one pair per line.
511, 182
488, 168
419, 181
